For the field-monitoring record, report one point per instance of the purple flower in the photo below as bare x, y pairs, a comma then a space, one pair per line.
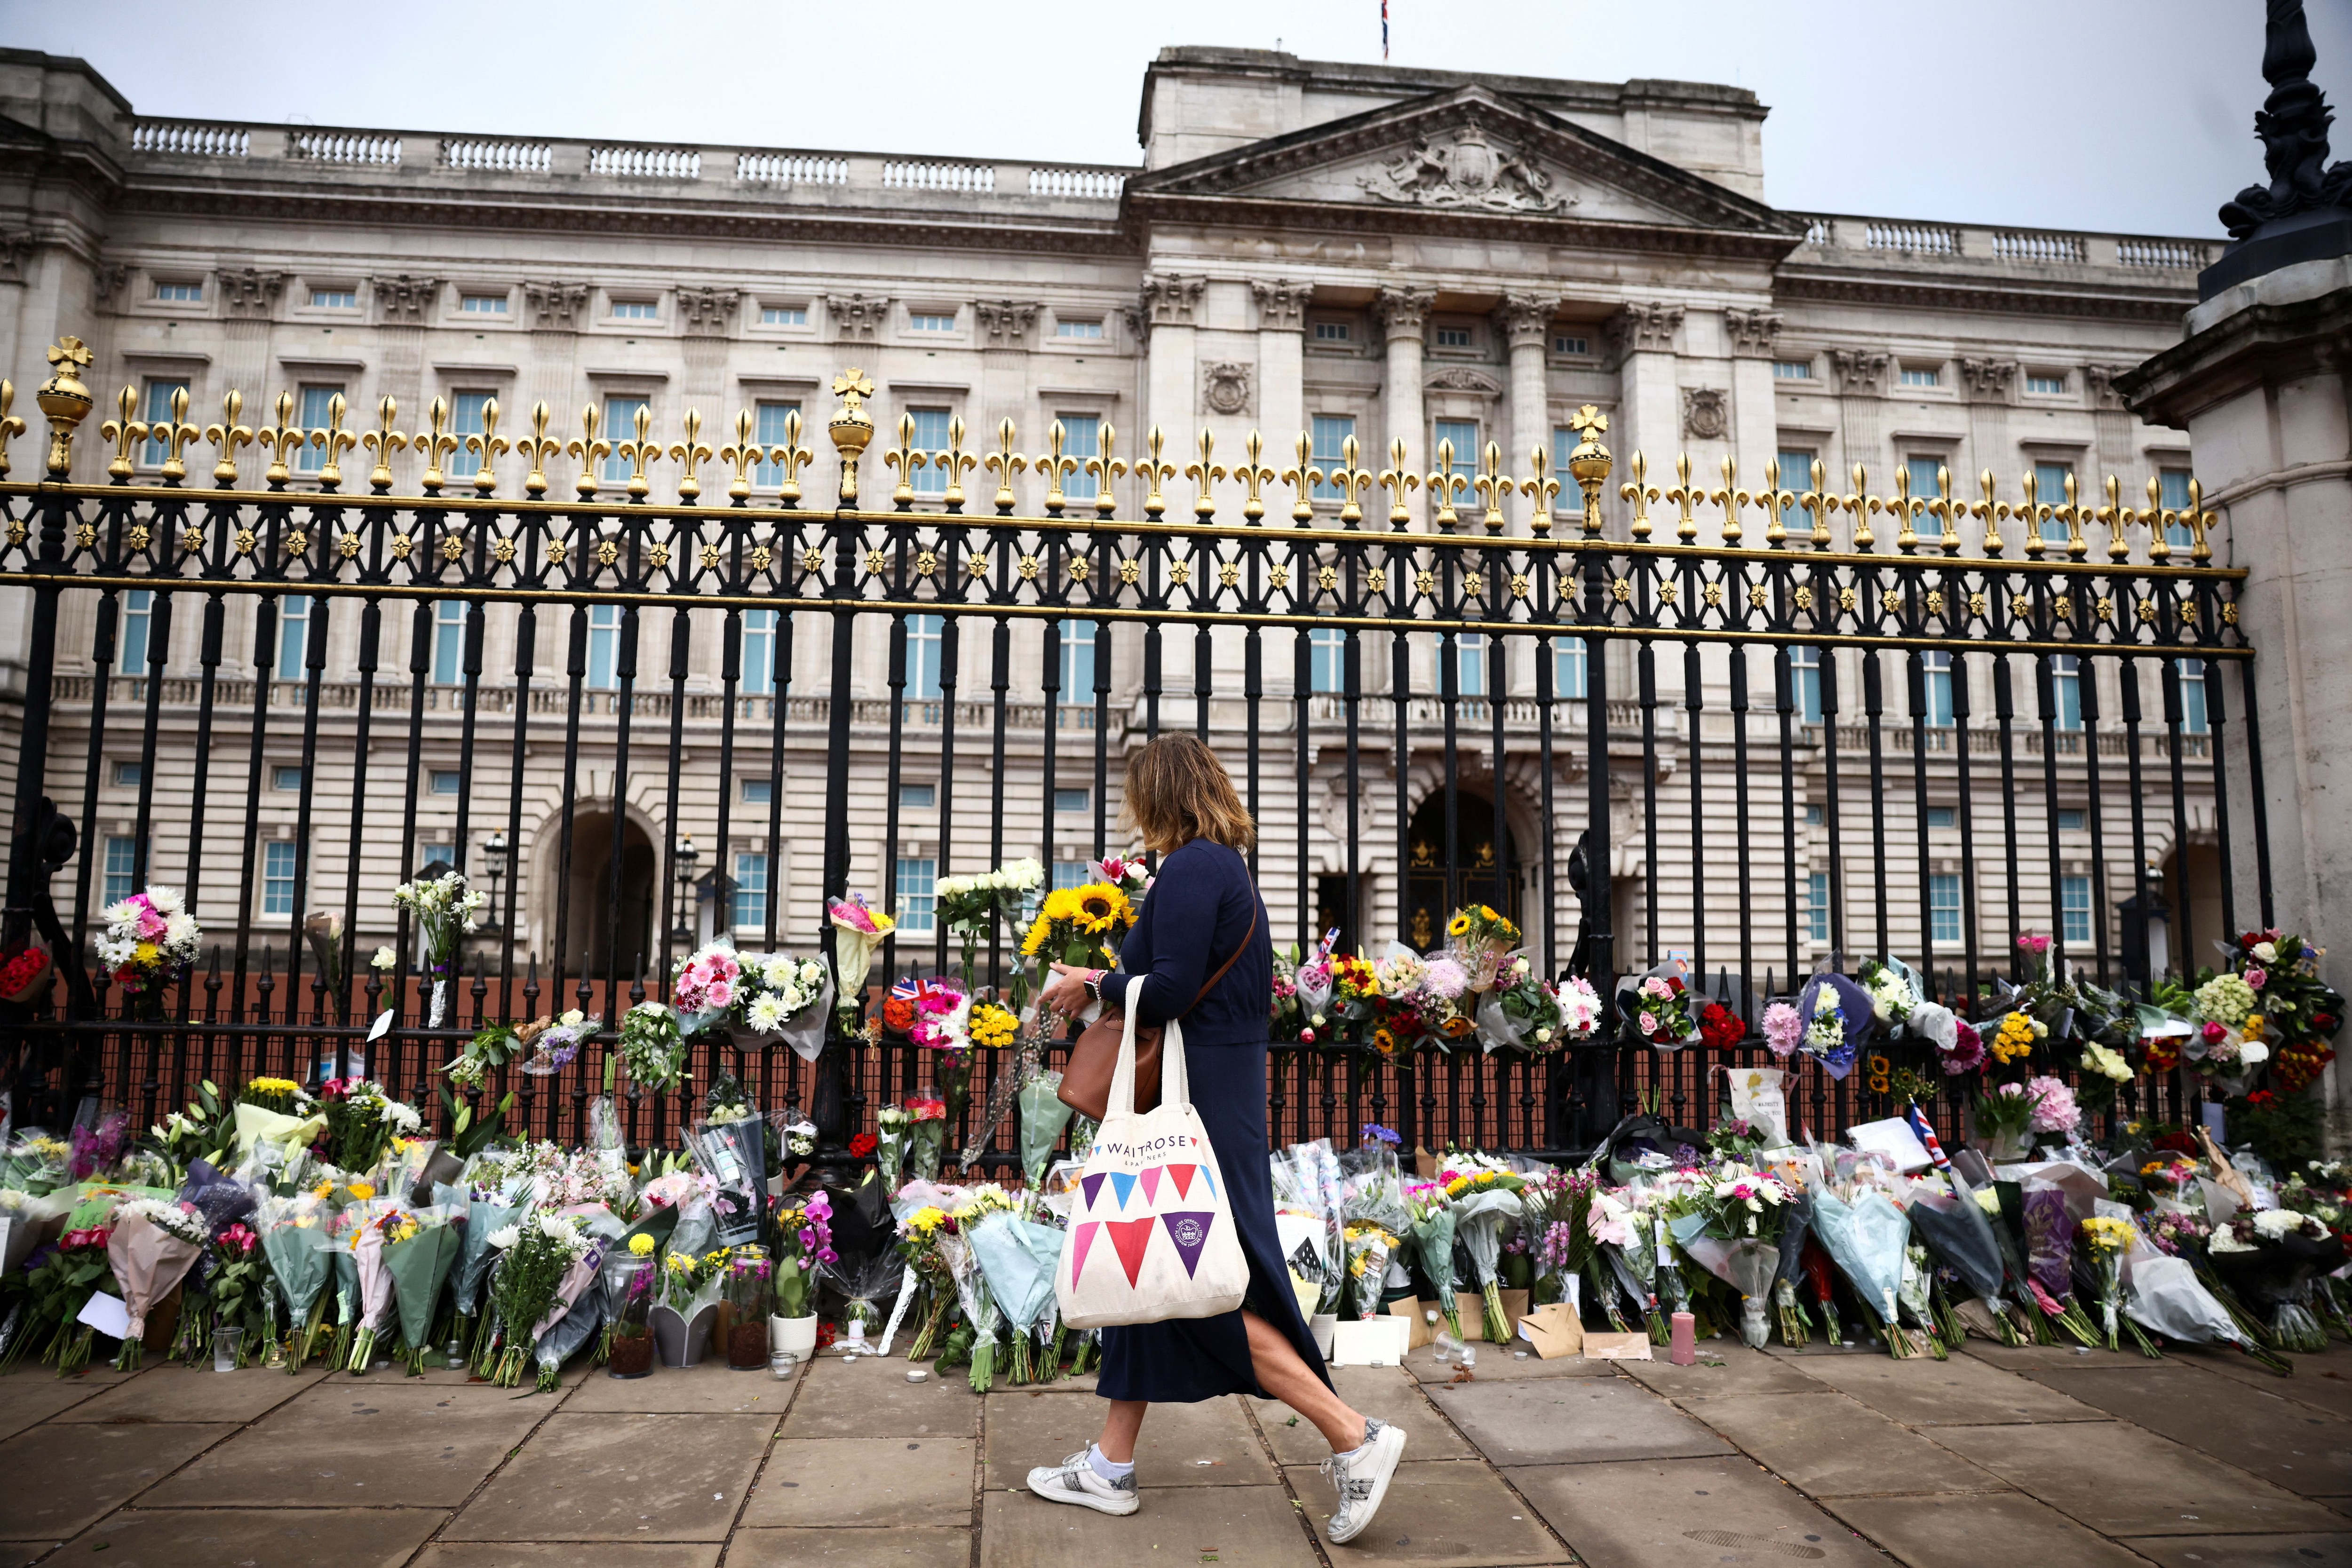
808, 1239
827, 1255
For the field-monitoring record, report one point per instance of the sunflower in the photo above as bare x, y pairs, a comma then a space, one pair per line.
1460, 925
1103, 909
1384, 1041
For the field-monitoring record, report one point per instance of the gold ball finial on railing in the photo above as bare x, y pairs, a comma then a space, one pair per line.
852, 427
1588, 464
65, 401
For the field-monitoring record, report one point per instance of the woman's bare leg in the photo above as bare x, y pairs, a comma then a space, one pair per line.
1282, 1373
1121, 1426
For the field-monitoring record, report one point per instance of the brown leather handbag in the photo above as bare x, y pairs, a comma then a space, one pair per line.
1094, 1055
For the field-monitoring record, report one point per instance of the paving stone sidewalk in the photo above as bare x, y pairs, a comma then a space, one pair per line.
2043, 1456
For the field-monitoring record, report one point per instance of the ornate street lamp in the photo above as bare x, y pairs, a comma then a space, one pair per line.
683, 933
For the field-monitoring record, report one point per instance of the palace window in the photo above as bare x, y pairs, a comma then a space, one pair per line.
603, 647
1331, 332
1567, 668
1805, 683
1922, 470
2048, 385
931, 321
1464, 434
1796, 469
287, 775
2074, 910
179, 293
1454, 338
138, 611
1326, 660
923, 658
278, 890
620, 425
1921, 376
469, 415
917, 900
2192, 696
759, 791
315, 416
1569, 343
448, 642
2049, 490
121, 874
1330, 434
2172, 494
759, 653
1079, 662
1943, 817
1065, 327
1470, 663
634, 309
158, 418
1792, 370
750, 897
783, 314
334, 299
445, 781
1077, 799
1817, 907
483, 305
918, 797
2067, 685
1081, 439
293, 636
130, 775
1944, 906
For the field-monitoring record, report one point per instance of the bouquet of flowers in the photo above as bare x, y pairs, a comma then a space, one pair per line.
783, 999
1435, 1224
970, 905
363, 1119
1559, 1208
703, 984
1485, 1207
2107, 1239
1522, 1010
1479, 938
1744, 1212
894, 1135
150, 941
651, 1048
1659, 1007
417, 1259
1898, 998
545, 1261
1043, 1117
2269, 1258
929, 1133
922, 1236
1866, 1238
444, 907
297, 1246
1837, 1015
152, 1244
1017, 1257
55, 1283
734, 1159
555, 1044
1448, 1003
858, 933
1081, 926
689, 1279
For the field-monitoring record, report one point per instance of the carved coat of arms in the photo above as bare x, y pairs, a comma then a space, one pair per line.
1469, 172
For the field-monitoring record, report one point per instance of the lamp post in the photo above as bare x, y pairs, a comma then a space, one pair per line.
683, 934
496, 865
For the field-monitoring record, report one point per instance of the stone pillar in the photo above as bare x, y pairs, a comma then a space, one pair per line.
1004, 390
1168, 306
711, 316
1525, 323
1403, 313
1861, 394
1281, 365
2259, 385
556, 312
1992, 387
403, 306
1755, 408
2111, 423
1649, 400
248, 303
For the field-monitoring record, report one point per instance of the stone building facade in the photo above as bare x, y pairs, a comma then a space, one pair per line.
1309, 250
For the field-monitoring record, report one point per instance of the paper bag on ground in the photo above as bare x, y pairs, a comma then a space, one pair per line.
1553, 1331
1617, 1347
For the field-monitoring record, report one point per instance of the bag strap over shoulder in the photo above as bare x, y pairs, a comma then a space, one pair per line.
1174, 1083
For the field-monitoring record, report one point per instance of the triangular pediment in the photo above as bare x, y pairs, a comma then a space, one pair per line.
1470, 151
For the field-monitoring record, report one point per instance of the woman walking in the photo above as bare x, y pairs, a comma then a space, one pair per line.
1204, 908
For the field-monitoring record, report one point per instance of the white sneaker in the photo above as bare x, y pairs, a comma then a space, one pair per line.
1362, 1480
1075, 1479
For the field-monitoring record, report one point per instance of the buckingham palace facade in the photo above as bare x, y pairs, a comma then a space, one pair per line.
1318, 252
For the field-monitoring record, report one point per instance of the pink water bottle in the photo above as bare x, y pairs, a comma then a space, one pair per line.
1684, 1350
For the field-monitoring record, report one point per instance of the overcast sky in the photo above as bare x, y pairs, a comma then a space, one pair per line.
2134, 115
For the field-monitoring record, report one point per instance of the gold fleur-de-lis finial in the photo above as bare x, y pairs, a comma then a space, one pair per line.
2117, 518
177, 436
905, 459
2071, 513
1732, 500
851, 426
1054, 467
1906, 509
2198, 519
1862, 505
740, 454
791, 456
335, 440
383, 441
693, 454
1638, 491
1400, 481
435, 443
1444, 485
1992, 512
1819, 504
959, 463
1004, 463
537, 447
1254, 473
1302, 477
228, 436
1156, 473
640, 452
2158, 518
11, 425
2034, 512
486, 446
1105, 471
1492, 486
1684, 494
589, 450
1204, 505
124, 432
284, 439
1353, 481
1775, 502
1947, 511
1541, 488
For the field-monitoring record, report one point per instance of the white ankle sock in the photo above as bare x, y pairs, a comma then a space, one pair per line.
1109, 1469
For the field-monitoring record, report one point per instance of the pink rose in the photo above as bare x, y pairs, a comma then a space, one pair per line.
2257, 978
2214, 1033
1649, 1023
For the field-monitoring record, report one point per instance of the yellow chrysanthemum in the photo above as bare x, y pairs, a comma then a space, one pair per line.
362, 1190
641, 1245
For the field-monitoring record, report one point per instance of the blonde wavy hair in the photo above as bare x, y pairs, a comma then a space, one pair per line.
1177, 791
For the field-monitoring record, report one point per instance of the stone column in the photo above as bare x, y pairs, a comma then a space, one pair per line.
1525, 323
1168, 306
1755, 411
248, 303
1862, 391
711, 316
1403, 313
1004, 390
1991, 388
556, 312
2111, 423
403, 306
2259, 385
1649, 400
1281, 365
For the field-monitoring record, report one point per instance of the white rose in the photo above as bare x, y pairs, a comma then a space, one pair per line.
2266, 951
573, 1017
2252, 1053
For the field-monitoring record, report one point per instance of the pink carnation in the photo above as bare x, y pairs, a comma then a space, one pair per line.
1782, 1028
1968, 1052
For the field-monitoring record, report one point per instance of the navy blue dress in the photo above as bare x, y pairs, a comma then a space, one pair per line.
1199, 907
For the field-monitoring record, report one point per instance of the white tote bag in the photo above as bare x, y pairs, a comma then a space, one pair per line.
1152, 1236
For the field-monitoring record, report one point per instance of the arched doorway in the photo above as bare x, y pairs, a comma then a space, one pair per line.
594, 944
1483, 845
